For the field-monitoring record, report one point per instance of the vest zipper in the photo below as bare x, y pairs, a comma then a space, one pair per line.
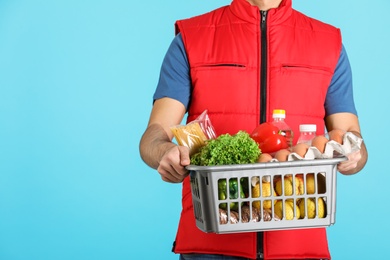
263, 69
263, 101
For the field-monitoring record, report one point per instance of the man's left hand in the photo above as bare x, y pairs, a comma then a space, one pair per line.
351, 163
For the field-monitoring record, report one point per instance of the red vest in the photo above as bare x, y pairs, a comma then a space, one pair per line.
241, 69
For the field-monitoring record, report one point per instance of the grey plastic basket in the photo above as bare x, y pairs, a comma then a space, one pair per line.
207, 202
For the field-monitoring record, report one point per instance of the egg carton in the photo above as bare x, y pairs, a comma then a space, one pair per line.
351, 143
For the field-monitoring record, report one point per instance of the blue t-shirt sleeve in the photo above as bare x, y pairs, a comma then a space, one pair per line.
174, 81
339, 97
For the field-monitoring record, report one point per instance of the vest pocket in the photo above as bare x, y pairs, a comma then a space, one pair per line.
305, 68
306, 85
220, 65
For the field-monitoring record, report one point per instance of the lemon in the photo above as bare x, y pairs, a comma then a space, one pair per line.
289, 204
310, 184
315, 187
256, 194
288, 186
265, 192
311, 208
279, 209
266, 187
321, 208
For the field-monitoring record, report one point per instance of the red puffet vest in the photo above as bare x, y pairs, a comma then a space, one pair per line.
244, 64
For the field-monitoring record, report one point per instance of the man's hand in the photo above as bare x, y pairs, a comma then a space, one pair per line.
172, 164
348, 166
156, 147
348, 123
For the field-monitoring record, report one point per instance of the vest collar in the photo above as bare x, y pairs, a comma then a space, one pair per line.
245, 11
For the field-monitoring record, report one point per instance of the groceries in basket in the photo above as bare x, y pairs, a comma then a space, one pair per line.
242, 147
247, 182
282, 198
266, 143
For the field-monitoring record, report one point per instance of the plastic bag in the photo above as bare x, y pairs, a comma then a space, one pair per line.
194, 134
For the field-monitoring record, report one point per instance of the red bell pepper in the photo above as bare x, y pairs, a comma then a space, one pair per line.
269, 138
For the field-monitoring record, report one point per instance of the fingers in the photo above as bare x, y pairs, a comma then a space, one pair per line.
351, 163
346, 166
172, 174
184, 155
172, 165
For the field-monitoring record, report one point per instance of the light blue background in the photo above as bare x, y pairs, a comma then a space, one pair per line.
76, 85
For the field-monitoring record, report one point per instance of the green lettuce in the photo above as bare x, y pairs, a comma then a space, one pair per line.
228, 149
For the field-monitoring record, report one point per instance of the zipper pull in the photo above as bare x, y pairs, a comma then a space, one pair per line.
263, 16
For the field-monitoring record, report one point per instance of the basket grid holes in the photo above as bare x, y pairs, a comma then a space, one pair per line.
294, 182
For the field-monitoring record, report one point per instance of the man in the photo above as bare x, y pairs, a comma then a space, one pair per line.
240, 62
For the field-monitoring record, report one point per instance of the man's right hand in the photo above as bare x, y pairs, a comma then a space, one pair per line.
172, 164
